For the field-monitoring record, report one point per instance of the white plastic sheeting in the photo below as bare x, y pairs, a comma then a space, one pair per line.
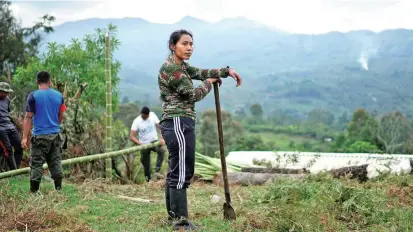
318, 162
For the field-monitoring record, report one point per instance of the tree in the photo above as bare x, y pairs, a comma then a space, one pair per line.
137, 103
408, 145
322, 116
256, 110
339, 142
72, 65
240, 113
208, 132
127, 113
125, 100
362, 127
282, 117
343, 120
251, 143
393, 131
18, 45
156, 109
362, 147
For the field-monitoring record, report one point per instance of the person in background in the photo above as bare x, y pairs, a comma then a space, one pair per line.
147, 126
179, 96
45, 109
9, 136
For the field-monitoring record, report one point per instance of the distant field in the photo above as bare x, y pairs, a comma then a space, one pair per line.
283, 141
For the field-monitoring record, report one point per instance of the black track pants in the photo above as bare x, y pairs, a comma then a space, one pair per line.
179, 136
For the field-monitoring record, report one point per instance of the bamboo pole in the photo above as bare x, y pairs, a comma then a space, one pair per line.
108, 144
9, 73
83, 159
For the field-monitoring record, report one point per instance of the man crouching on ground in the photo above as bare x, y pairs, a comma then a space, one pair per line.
45, 107
147, 125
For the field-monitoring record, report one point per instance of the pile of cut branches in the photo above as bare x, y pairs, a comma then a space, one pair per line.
207, 167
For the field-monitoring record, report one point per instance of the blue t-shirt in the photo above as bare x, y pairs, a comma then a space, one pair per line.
45, 104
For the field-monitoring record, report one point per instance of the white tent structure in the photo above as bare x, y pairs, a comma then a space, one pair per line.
318, 162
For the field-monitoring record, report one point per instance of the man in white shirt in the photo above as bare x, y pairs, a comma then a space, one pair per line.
147, 126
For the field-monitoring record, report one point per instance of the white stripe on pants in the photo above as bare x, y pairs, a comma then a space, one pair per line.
181, 143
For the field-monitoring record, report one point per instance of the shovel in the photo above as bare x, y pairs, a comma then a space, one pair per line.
229, 212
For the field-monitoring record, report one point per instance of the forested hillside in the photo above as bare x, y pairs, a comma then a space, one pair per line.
292, 72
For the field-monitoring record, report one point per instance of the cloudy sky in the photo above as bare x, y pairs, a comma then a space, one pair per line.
297, 16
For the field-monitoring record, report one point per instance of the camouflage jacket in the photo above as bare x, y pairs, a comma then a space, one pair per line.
178, 94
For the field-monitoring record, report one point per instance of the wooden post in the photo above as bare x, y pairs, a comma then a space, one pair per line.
108, 121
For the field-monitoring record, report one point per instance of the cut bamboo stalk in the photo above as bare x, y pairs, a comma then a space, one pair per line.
108, 144
9, 73
83, 159
135, 199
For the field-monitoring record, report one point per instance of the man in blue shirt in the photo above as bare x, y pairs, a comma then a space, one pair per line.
45, 109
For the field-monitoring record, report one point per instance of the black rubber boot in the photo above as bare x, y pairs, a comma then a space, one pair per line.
34, 186
168, 205
58, 184
179, 208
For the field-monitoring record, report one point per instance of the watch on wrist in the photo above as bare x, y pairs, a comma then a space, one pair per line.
227, 73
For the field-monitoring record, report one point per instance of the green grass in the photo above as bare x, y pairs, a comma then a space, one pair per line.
282, 142
316, 203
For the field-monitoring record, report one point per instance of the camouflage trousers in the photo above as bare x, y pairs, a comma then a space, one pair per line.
46, 148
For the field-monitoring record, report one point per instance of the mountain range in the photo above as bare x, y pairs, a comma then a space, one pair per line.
292, 72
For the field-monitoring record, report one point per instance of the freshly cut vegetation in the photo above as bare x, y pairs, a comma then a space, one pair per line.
207, 167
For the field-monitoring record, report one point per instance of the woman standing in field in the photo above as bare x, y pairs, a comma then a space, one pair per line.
178, 119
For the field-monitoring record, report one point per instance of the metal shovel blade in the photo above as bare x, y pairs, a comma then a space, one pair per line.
229, 212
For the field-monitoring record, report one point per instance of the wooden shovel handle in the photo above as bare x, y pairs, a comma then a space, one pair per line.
221, 144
